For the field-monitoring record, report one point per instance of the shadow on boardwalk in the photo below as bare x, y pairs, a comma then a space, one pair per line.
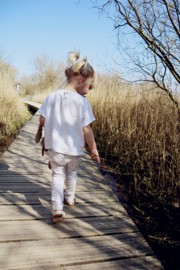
95, 235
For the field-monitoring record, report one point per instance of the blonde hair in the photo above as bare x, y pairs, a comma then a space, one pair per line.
78, 67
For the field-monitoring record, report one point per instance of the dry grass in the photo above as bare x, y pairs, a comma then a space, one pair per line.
138, 131
13, 112
40, 97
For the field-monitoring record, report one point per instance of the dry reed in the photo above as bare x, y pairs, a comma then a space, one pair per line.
137, 130
40, 97
13, 112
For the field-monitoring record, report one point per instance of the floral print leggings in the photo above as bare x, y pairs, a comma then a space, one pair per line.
63, 167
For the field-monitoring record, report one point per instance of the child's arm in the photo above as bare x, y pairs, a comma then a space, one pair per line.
41, 120
89, 138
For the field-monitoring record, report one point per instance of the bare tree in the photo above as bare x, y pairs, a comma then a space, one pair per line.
6, 67
48, 70
148, 33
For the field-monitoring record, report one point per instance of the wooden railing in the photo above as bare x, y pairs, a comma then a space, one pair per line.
33, 105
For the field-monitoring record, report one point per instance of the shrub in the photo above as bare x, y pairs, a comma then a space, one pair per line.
13, 112
48, 74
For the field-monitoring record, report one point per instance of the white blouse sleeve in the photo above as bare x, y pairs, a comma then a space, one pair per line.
87, 114
42, 110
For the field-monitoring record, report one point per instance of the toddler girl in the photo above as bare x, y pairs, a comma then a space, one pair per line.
66, 116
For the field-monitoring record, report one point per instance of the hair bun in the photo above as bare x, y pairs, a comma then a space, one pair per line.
78, 67
79, 64
73, 56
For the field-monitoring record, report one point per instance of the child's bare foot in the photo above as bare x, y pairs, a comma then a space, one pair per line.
58, 216
70, 203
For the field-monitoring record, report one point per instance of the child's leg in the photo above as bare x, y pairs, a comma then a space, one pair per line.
71, 177
58, 175
57, 186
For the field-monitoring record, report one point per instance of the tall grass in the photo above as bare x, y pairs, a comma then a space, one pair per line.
137, 129
13, 112
40, 97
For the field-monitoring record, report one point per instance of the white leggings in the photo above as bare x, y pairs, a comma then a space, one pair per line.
63, 167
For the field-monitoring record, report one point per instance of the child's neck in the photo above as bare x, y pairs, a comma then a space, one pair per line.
71, 87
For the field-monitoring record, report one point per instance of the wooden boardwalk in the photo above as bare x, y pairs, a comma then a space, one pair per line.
96, 234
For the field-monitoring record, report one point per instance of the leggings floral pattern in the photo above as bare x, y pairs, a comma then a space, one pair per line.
63, 167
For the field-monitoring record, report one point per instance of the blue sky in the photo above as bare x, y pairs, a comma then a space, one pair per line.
32, 27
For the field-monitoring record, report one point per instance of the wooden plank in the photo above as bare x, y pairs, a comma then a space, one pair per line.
21, 159
12, 166
44, 211
44, 169
13, 157
86, 227
32, 104
19, 171
15, 187
35, 170
25, 171
30, 178
142, 263
25, 187
25, 156
14, 163
15, 178
20, 148
21, 141
22, 155
72, 251
81, 197
20, 198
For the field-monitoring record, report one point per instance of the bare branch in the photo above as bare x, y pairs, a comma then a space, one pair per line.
154, 29
170, 16
137, 14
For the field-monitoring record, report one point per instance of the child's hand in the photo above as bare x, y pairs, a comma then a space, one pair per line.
94, 154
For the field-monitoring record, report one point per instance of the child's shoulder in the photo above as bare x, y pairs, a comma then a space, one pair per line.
74, 97
53, 95
82, 100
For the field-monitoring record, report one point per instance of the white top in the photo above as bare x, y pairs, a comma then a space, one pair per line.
17, 87
66, 113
